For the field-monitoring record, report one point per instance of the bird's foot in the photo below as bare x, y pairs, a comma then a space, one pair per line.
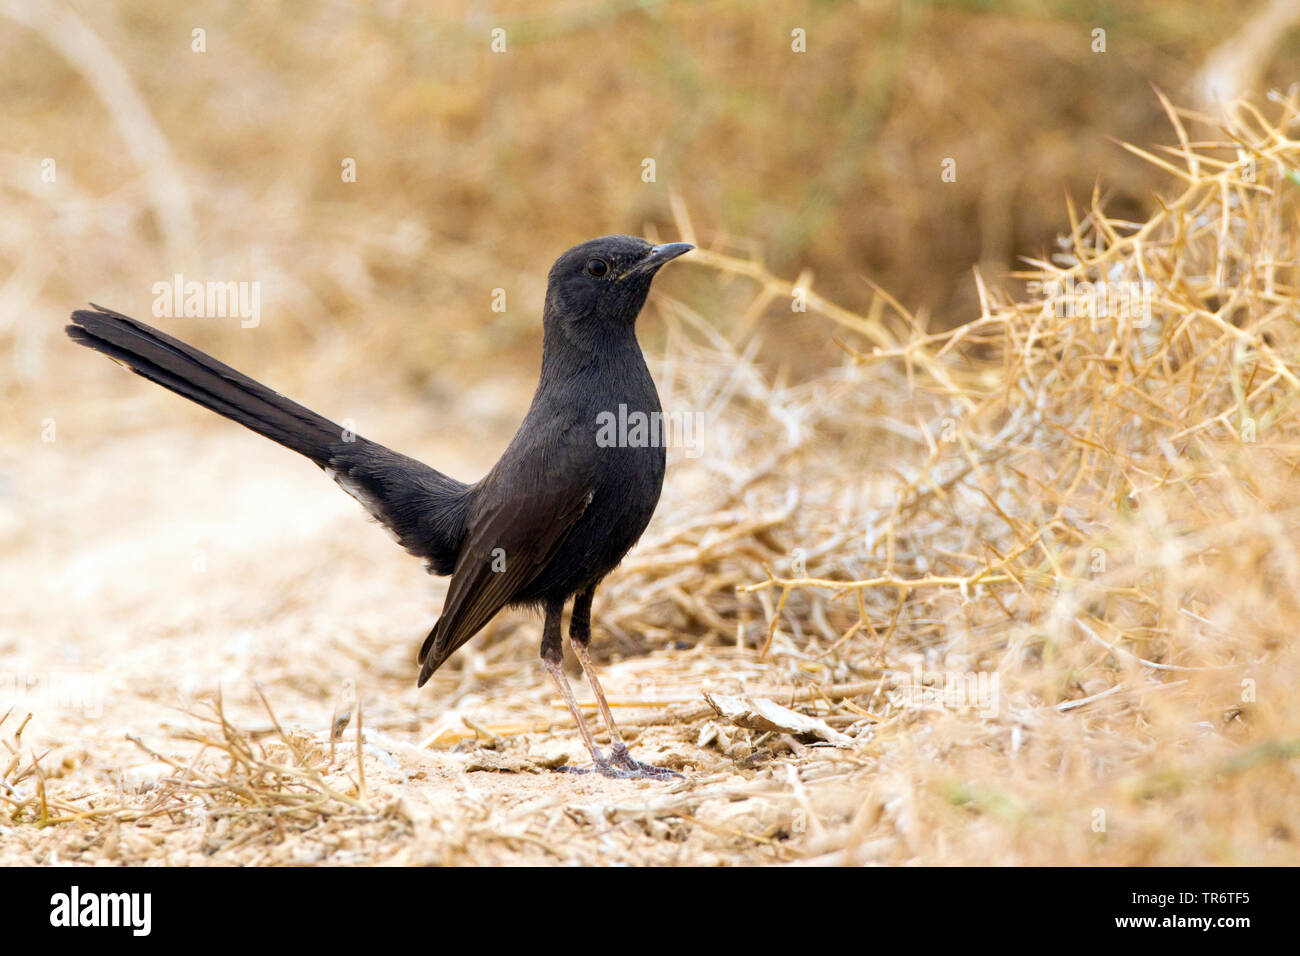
621, 766
622, 761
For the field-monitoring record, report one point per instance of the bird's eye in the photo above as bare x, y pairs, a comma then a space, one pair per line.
598, 268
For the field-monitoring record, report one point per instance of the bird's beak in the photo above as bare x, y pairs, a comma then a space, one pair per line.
657, 256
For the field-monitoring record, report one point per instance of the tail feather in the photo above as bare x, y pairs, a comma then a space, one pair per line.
201, 378
425, 509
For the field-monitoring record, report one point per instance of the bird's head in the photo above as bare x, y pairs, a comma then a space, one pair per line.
601, 284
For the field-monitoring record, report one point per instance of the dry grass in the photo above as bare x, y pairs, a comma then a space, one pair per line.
1099, 508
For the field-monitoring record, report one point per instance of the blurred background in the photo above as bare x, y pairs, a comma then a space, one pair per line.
386, 173
475, 168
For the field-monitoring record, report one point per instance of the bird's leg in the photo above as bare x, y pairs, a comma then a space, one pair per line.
580, 638
553, 658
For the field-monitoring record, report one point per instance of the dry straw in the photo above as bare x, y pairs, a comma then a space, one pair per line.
1089, 493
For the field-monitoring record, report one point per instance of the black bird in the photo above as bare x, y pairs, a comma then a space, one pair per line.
555, 515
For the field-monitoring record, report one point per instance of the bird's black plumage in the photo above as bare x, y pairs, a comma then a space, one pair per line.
556, 513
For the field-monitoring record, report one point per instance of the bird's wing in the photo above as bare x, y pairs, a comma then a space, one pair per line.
511, 540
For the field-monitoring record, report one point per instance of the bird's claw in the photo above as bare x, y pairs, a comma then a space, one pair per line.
621, 766
622, 761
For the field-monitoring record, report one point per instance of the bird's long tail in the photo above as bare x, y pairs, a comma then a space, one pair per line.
425, 509
202, 379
